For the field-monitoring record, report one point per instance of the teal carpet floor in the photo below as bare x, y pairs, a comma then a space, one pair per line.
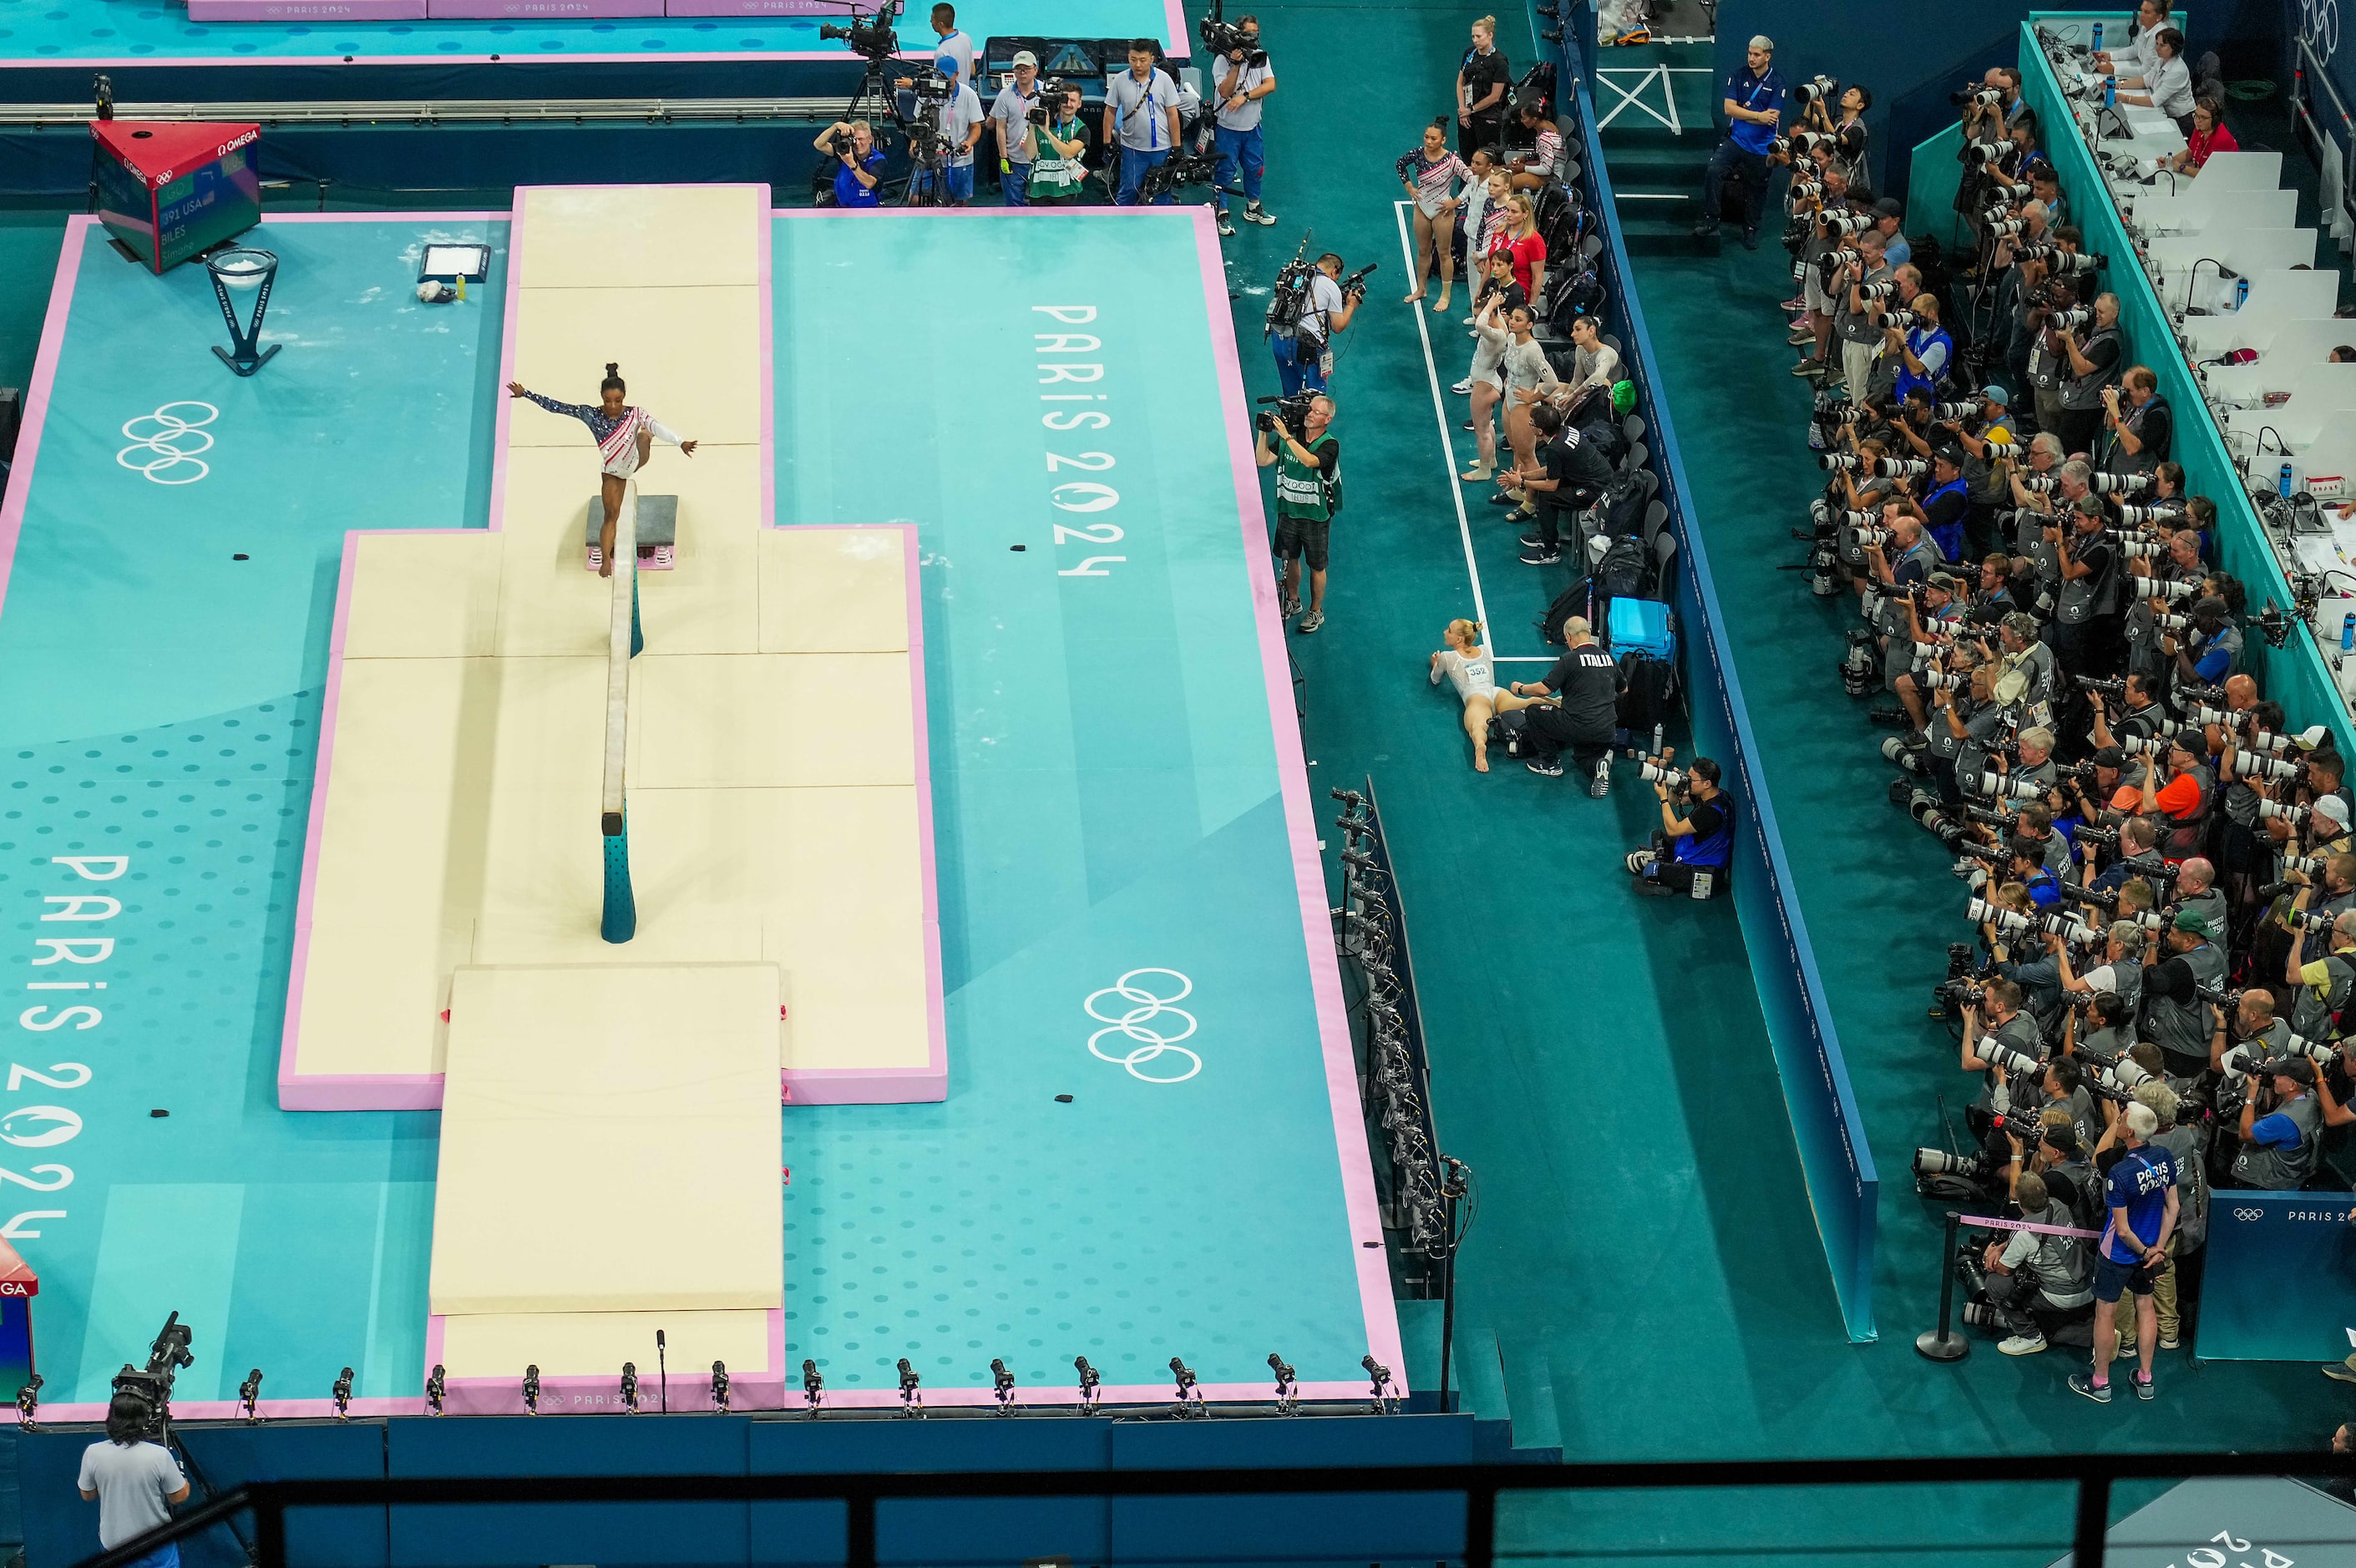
1643, 1268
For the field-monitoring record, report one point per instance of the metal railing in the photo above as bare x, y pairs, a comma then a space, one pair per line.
2093, 1474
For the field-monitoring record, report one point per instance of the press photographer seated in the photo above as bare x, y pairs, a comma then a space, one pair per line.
1690, 852
2037, 1283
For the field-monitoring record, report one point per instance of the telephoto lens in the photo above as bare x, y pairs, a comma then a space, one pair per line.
2120, 484
1939, 1162
2085, 264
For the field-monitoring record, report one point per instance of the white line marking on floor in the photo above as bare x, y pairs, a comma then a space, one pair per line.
1439, 414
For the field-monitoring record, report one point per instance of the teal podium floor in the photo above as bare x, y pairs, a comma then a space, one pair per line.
1117, 783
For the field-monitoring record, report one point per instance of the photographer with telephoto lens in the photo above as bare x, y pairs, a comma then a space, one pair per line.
1690, 852
1014, 116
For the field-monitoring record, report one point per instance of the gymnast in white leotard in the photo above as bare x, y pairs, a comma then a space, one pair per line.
626, 437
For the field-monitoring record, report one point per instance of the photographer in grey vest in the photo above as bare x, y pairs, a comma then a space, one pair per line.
2321, 986
2279, 1147
2036, 1281
2174, 1018
2120, 973
2092, 360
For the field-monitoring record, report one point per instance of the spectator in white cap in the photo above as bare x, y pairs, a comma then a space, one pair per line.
1009, 120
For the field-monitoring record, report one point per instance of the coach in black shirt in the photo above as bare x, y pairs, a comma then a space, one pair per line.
1570, 474
1585, 685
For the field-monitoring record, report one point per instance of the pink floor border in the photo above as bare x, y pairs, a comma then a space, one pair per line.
422, 1092
1176, 46
37, 396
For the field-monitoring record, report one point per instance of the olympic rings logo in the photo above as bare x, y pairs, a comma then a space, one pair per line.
2249, 1213
164, 443
2319, 24
1145, 1007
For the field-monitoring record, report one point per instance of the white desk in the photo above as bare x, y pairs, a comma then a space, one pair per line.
2288, 315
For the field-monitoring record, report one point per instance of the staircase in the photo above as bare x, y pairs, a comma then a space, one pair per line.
1654, 103
1507, 1384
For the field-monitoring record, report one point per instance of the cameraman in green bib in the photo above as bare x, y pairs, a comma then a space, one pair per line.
1307, 463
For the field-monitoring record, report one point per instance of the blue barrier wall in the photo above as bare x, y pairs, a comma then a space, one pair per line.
1838, 1167
61, 1530
2280, 1284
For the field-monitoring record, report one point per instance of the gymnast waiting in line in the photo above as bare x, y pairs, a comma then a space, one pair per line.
625, 438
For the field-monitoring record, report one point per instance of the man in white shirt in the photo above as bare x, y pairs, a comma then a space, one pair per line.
1242, 85
954, 43
1009, 118
1142, 113
132, 1482
960, 120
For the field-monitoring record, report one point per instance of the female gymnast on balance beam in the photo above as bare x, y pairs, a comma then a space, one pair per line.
625, 438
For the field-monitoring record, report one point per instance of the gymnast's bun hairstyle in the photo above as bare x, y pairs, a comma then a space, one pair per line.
612, 377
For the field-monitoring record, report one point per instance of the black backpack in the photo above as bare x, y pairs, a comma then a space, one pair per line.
1620, 510
1578, 599
1625, 569
1647, 687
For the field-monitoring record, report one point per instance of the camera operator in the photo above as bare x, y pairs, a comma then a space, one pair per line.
2251, 1021
2037, 969
2045, 191
2281, 1145
2213, 651
1695, 840
2321, 986
1990, 121
1922, 353
1753, 104
1824, 214
133, 1478
2024, 677
2087, 621
2139, 1189
2173, 1016
1963, 728
1997, 1021
1059, 170
1853, 313
2090, 364
858, 167
2140, 714
2120, 973
957, 118
1140, 118
2037, 1283
2137, 418
1308, 468
1245, 79
1010, 116
1577, 712
1304, 358
1911, 557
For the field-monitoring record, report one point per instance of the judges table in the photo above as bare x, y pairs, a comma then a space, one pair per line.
2205, 266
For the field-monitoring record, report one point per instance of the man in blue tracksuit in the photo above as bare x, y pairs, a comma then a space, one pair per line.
1754, 110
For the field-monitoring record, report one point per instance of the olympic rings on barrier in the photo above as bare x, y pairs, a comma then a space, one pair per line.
1145, 1006
174, 442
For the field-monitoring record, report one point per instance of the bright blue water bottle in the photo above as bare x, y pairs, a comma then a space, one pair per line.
2347, 634
2282, 485
2098, 38
2110, 92
2240, 292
